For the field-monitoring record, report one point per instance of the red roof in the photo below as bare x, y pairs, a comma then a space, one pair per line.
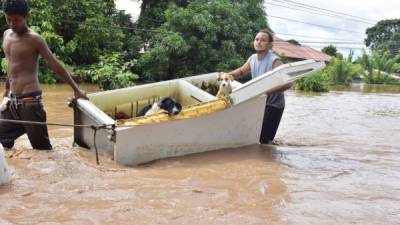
282, 47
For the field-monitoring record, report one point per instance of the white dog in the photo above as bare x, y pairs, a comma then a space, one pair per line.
5, 176
225, 86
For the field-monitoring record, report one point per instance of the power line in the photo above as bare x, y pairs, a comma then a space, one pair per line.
349, 47
317, 12
326, 10
338, 47
154, 30
333, 41
318, 25
112, 26
98, 25
301, 9
157, 31
321, 44
325, 42
313, 37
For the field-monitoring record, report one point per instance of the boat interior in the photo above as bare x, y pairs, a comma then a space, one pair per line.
129, 101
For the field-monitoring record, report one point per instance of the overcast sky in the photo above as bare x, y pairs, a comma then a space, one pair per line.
338, 28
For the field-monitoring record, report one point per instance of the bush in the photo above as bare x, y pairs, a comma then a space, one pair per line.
110, 73
377, 67
393, 81
343, 72
316, 82
4, 66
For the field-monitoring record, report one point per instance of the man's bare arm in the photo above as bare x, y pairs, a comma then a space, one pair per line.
245, 69
56, 66
7, 82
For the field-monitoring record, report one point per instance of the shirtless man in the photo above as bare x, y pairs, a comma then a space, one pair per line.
22, 96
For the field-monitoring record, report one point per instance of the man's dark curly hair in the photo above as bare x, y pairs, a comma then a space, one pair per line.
270, 36
16, 7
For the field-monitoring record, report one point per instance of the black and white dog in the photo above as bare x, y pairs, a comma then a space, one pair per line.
165, 105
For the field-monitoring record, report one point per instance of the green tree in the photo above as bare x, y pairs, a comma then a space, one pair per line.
293, 41
202, 37
343, 71
378, 67
384, 36
330, 50
111, 72
132, 42
339, 72
81, 32
152, 14
91, 42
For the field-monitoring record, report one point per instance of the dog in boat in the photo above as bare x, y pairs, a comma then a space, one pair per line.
164, 105
4, 170
225, 85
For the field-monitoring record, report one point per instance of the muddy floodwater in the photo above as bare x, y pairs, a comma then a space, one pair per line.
337, 162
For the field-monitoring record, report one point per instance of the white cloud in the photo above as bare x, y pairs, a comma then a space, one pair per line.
373, 10
130, 6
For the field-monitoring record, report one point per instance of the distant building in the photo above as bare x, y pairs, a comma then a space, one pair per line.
298, 52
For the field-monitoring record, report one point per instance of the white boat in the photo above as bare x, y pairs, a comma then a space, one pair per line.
205, 123
5, 176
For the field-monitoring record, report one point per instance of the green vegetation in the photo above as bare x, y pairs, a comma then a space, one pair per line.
316, 82
330, 50
343, 71
200, 37
371, 69
377, 68
100, 44
81, 34
293, 41
178, 38
384, 36
110, 72
338, 72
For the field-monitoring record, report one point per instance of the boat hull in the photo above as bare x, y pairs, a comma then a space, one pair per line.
5, 175
196, 129
233, 127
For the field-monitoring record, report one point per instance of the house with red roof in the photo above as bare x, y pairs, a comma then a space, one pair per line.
298, 52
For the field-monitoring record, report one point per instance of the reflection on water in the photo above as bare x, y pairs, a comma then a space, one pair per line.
369, 88
338, 163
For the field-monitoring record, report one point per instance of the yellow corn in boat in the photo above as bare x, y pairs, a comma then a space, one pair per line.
187, 112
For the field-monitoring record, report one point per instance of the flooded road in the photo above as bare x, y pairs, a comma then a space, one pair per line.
338, 162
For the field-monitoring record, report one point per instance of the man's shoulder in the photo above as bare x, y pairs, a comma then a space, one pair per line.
7, 32
34, 34
274, 54
275, 57
252, 57
35, 37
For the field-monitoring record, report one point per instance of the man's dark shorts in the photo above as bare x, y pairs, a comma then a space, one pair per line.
25, 107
